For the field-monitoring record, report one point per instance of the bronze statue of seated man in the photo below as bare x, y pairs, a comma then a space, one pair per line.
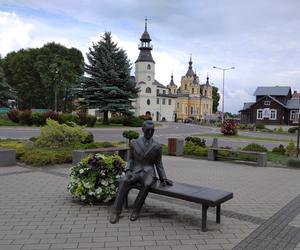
145, 155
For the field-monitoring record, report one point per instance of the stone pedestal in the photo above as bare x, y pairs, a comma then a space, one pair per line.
7, 157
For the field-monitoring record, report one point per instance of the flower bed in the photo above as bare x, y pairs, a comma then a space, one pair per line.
94, 178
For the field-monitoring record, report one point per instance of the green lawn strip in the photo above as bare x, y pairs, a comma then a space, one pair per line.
242, 137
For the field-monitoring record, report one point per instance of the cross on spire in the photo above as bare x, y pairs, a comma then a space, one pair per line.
146, 19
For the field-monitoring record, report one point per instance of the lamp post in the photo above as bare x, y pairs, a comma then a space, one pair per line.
223, 69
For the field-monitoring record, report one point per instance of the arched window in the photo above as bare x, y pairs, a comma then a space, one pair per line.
148, 90
148, 66
148, 102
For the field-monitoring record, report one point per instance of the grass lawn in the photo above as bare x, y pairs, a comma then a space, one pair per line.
242, 137
7, 122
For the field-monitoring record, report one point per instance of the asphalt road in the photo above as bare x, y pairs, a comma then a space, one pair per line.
168, 130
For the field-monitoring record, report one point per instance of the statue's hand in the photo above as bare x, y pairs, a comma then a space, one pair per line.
166, 182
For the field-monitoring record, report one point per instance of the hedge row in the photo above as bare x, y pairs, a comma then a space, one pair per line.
27, 117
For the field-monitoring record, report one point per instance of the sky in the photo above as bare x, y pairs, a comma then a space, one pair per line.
261, 39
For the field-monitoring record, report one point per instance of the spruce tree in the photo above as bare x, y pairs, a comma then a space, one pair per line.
107, 85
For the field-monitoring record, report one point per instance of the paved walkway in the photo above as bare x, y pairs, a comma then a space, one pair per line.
36, 211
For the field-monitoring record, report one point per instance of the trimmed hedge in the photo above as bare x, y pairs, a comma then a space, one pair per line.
255, 147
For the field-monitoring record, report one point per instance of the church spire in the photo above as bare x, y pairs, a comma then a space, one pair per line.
190, 71
207, 79
145, 46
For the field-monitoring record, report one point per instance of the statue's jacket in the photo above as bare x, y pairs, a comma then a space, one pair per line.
146, 157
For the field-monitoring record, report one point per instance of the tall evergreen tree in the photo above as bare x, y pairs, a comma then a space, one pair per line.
216, 98
107, 86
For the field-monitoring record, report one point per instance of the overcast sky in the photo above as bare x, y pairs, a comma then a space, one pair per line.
258, 37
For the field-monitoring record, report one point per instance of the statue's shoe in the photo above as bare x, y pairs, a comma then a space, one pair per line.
114, 218
134, 216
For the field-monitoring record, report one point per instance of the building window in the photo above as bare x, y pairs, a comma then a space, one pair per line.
205, 92
157, 101
259, 115
192, 110
164, 101
192, 90
164, 92
148, 102
148, 66
186, 110
170, 101
148, 90
294, 115
157, 91
149, 78
273, 115
185, 87
267, 103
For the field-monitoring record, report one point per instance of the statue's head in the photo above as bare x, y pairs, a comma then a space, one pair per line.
148, 129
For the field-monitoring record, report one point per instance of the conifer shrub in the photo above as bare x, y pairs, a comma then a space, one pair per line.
120, 119
68, 117
291, 149
255, 147
229, 127
56, 135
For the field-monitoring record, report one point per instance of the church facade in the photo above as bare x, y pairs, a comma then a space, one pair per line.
190, 100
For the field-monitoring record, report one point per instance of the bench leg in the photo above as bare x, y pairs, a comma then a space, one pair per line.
218, 214
204, 218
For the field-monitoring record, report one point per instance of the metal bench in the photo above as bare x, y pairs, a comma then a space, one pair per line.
208, 197
77, 155
261, 157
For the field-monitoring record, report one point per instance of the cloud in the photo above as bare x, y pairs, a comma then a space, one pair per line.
14, 33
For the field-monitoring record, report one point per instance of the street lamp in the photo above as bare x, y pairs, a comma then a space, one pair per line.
223, 69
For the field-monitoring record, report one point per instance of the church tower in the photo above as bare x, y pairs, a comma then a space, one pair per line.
144, 75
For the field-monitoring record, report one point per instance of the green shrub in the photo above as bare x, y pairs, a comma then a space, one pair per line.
293, 162
293, 130
91, 120
68, 117
229, 127
118, 119
196, 140
130, 134
55, 135
255, 147
192, 149
17, 145
89, 138
291, 149
13, 115
40, 157
107, 144
95, 178
259, 126
279, 130
25, 117
279, 150
133, 121
38, 119
245, 126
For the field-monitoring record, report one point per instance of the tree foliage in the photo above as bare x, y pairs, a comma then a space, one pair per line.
37, 73
216, 98
107, 86
6, 91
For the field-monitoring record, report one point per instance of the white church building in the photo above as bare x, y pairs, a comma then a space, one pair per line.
154, 97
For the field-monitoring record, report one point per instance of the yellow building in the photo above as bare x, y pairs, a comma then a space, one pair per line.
194, 100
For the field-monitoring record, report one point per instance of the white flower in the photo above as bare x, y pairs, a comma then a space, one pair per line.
81, 171
98, 190
82, 197
107, 199
91, 193
104, 183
